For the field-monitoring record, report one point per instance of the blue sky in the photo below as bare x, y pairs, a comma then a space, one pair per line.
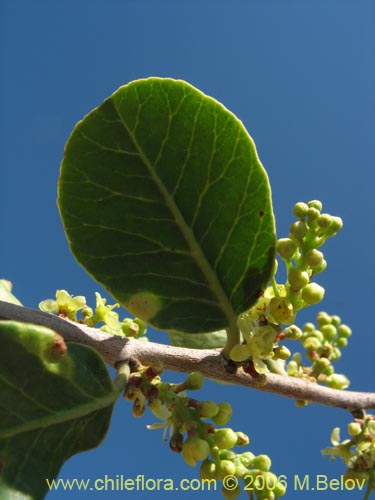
300, 75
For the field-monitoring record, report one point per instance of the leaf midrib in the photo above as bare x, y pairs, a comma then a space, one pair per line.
62, 416
195, 249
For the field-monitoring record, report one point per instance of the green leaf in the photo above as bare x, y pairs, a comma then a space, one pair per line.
210, 340
165, 203
54, 404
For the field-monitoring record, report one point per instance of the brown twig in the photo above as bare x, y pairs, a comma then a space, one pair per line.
209, 362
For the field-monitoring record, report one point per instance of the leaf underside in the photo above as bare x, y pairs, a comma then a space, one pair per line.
53, 405
165, 202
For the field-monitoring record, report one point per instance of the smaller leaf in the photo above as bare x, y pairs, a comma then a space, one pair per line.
56, 401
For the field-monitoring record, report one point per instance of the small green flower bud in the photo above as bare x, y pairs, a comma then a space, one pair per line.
313, 293
342, 342
323, 363
292, 368
247, 459
207, 469
335, 226
195, 449
329, 370
87, 313
225, 468
223, 415
324, 221
279, 490
262, 462
335, 354
329, 332
371, 428
129, 328
242, 439
231, 494
225, 438
308, 327
297, 278
312, 344
282, 352
315, 204
293, 332
286, 248
300, 209
317, 334
281, 311
194, 381
323, 318
227, 455
337, 381
208, 409
354, 429
313, 257
241, 471
298, 230
336, 320
312, 214
142, 327
344, 331
320, 268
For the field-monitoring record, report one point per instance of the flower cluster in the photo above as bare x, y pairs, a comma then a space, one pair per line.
68, 306
271, 319
358, 451
193, 433
323, 344
301, 255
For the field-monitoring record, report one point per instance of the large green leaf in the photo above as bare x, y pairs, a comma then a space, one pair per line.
165, 202
210, 340
53, 404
